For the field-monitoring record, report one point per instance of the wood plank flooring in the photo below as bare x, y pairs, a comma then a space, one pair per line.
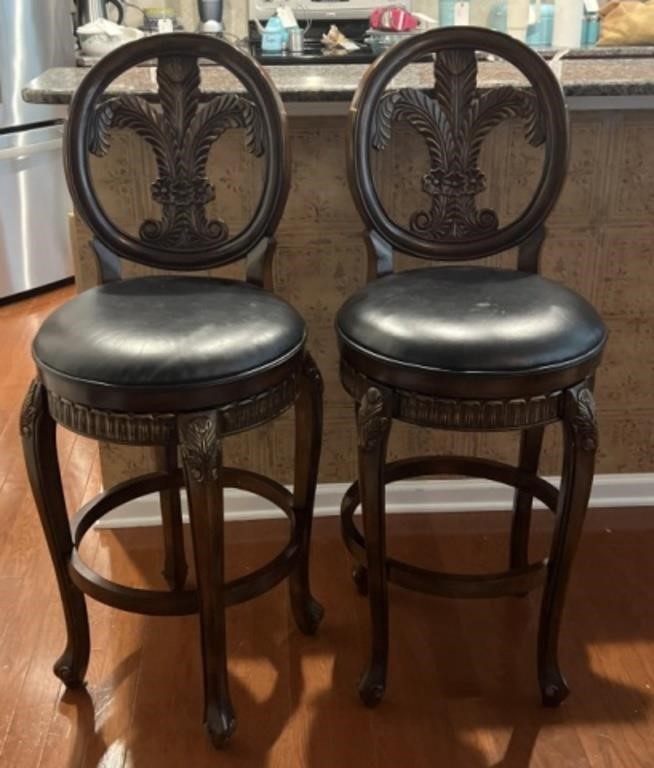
462, 688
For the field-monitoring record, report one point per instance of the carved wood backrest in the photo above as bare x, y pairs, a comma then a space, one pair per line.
180, 128
454, 118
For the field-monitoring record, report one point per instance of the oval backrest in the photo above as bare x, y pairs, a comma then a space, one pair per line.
180, 123
454, 117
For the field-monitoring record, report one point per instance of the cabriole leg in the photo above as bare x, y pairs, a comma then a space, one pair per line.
202, 461
308, 439
40, 448
531, 441
580, 445
175, 568
374, 423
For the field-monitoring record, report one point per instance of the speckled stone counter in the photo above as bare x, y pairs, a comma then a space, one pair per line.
320, 83
601, 242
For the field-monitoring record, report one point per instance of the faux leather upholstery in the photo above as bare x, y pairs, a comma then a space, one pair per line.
168, 331
471, 319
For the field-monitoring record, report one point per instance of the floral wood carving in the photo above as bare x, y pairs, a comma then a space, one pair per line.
454, 126
584, 420
31, 407
373, 422
181, 133
201, 448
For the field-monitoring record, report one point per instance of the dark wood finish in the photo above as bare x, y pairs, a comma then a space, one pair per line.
180, 129
202, 461
580, 446
39, 445
454, 123
180, 134
373, 426
308, 441
454, 119
175, 568
531, 442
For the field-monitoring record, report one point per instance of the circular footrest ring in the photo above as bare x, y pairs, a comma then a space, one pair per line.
513, 582
179, 602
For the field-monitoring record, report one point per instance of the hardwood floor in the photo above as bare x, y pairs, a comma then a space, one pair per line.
462, 686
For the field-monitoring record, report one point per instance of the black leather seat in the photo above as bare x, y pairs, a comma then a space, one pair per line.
468, 348
168, 331
473, 320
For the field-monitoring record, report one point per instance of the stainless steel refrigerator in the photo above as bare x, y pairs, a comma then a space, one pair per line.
35, 35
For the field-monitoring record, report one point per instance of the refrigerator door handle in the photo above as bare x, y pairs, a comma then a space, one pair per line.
11, 153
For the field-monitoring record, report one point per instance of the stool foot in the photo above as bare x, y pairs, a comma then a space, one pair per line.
360, 579
308, 614
554, 688
65, 669
373, 685
220, 724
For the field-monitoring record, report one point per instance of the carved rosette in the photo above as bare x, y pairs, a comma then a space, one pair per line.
31, 407
584, 419
454, 126
201, 448
373, 421
180, 134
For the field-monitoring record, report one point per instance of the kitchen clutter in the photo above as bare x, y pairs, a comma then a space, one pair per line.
99, 37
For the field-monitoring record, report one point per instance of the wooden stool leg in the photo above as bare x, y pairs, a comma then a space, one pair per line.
374, 423
175, 568
308, 439
40, 449
531, 442
580, 438
202, 460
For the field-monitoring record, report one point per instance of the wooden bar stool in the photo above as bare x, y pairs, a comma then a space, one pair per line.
176, 361
465, 347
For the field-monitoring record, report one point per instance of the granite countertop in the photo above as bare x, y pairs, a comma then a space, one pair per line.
337, 82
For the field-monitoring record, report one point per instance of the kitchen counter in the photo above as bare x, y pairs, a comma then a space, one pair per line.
581, 78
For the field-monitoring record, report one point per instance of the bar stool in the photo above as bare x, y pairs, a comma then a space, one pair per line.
176, 362
462, 347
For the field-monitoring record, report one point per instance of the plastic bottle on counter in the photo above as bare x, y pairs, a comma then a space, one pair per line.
568, 20
453, 13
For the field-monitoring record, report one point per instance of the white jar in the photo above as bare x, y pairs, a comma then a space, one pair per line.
568, 20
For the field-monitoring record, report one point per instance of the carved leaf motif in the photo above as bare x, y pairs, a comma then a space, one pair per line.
493, 107
382, 126
141, 117
585, 420
181, 135
100, 128
225, 111
454, 126
31, 406
201, 449
178, 79
455, 75
373, 424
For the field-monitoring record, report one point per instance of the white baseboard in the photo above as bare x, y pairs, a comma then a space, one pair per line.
408, 497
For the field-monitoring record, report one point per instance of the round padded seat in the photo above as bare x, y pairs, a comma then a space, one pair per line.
473, 320
168, 331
